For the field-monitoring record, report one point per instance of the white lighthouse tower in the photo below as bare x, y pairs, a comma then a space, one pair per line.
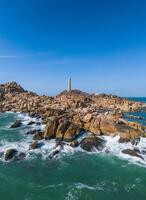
69, 84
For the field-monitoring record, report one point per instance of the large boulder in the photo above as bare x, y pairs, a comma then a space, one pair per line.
62, 128
128, 134
10, 153
93, 126
71, 133
93, 143
51, 128
108, 127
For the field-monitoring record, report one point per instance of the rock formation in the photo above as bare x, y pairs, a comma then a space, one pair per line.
70, 113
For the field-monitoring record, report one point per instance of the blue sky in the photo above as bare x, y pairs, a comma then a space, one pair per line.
101, 44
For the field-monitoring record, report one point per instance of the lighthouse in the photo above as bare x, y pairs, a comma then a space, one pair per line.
69, 84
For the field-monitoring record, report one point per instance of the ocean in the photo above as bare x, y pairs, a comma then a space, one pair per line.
74, 174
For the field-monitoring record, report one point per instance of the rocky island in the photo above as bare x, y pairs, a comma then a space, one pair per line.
71, 114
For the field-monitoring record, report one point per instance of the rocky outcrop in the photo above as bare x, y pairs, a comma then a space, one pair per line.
11, 88
93, 143
67, 130
10, 153
51, 128
62, 128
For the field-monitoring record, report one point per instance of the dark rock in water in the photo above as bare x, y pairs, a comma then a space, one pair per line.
74, 143
10, 153
60, 144
134, 141
133, 152
38, 136
137, 150
38, 123
21, 156
32, 132
35, 115
34, 145
31, 123
124, 140
92, 142
143, 152
17, 124
54, 153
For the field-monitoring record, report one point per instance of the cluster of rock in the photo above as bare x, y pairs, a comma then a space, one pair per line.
69, 114
14, 97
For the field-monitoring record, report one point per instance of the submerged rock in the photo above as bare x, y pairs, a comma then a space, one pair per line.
133, 152
35, 115
54, 153
21, 156
92, 143
32, 132
31, 123
17, 124
10, 153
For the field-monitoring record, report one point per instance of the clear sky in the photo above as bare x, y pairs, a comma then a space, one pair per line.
101, 44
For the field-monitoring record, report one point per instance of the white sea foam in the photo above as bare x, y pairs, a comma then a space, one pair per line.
115, 148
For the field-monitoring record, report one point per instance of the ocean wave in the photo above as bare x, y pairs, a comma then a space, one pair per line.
113, 148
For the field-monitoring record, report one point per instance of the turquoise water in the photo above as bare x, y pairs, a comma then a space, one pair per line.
141, 113
138, 99
73, 176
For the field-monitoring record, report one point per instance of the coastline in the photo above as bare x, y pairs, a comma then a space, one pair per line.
74, 121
